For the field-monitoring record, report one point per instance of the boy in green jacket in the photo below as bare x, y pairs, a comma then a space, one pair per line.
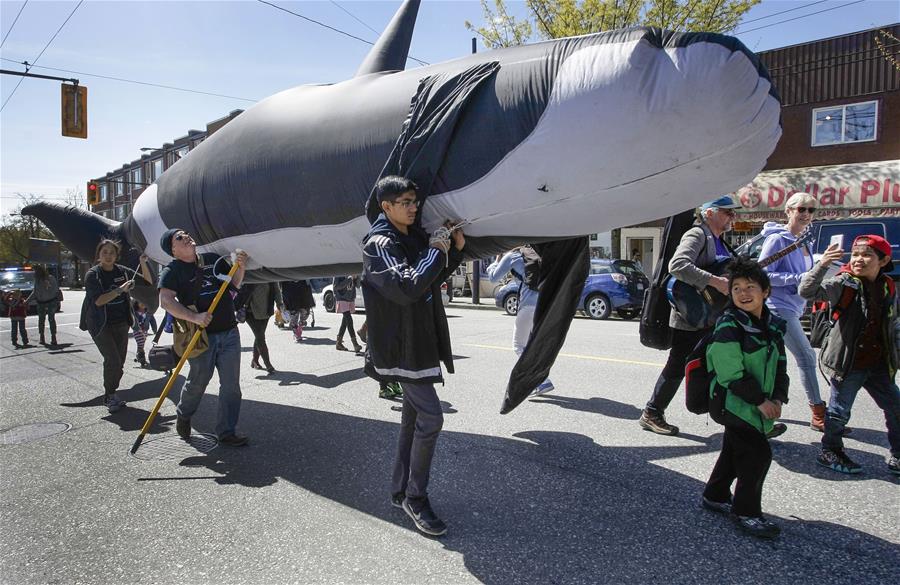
860, 350
746, 356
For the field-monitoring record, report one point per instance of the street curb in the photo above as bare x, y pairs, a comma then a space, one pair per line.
469, 305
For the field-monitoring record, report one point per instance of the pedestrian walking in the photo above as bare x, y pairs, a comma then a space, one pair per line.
861, 349
263, 298
139, 330
408, 336
750, 384
524, 264
187, 286
106, 314
344, 288
298, 306
700, 248
17, 311
48, 295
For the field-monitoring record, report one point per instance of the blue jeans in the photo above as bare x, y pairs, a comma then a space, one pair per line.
795, 341
223, 356
884, 392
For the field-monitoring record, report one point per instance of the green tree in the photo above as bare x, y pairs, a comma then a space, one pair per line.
563, 18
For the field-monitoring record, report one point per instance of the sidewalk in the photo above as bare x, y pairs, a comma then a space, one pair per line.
466, 303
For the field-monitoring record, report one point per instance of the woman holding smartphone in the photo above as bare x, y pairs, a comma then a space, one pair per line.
785, 275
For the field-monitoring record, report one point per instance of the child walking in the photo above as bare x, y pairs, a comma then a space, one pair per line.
746, 357
17, 310
860, 350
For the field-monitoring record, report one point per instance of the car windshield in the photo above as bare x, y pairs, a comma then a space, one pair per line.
627, 267
16, 279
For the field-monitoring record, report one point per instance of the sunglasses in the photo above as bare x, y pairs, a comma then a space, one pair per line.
406, 204
181, 237
810, 210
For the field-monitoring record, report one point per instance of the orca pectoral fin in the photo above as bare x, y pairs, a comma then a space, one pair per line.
564, 267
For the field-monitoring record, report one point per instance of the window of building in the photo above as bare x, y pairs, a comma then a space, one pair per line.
104, 192
136, 178
120, 185
845, 124
122, 211
157, 168
182, 152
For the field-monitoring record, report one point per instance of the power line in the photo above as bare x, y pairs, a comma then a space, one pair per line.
783, 12
27, 67
353, 16
337, 30
123, 80
14, 23
798, 17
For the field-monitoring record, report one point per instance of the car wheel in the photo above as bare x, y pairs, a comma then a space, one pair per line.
328, 301
511, 304
627, 314
597, 306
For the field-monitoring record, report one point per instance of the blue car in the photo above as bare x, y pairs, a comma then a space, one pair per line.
611, 285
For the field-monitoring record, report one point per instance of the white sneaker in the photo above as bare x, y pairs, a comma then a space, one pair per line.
546, 386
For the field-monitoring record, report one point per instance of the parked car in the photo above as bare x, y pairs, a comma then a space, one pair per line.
17, 278
612, 285
328, 297
886, 227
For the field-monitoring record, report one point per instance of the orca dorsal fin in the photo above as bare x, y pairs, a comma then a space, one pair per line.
392, 48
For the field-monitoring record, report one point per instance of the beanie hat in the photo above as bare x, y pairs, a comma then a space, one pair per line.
165, 242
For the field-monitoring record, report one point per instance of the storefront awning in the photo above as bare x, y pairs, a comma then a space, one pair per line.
851, 190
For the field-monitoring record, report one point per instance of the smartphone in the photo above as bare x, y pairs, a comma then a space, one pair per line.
837, 239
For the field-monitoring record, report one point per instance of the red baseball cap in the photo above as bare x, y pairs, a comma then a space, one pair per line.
877, 243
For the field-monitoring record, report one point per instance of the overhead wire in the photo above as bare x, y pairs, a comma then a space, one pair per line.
742, 32
783, 12
354, 17
28, 67
329, 27
122, 79
13, 25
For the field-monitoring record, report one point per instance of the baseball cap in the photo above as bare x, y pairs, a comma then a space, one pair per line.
723, 202
881, 246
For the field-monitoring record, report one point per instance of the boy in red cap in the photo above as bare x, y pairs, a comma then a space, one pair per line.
860, 350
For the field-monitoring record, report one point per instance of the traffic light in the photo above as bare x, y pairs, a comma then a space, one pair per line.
93, 193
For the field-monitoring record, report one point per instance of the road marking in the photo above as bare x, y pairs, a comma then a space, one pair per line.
575, 355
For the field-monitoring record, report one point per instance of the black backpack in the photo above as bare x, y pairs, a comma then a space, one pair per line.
697, 378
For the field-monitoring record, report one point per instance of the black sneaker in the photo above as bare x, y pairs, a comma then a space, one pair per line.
838, 461
397, 499
893, 464
778, 429
757, 526
424, 517
233, 440
656, 422
183, 427
719, 507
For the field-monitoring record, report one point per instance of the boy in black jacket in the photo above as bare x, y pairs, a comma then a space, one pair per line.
408, 335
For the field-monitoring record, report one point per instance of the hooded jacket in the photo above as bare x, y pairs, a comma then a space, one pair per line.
838, 351
746, 355
408, 334
785, 273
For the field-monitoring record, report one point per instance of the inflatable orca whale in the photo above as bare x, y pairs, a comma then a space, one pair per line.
534, 143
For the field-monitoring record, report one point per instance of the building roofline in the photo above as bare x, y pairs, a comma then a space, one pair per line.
886, 26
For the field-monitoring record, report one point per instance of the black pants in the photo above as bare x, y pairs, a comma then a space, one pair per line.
347, 325
683, 343
112, 341
16, 327
47, 312
745, 456
420, 424
260, 349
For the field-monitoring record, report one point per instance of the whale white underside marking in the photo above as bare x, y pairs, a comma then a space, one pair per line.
633, 132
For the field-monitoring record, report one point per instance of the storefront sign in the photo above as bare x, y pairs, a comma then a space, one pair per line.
854, 190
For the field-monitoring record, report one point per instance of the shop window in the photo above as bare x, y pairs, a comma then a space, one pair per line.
845, 124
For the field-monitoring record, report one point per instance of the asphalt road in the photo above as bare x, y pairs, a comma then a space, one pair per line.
565, 489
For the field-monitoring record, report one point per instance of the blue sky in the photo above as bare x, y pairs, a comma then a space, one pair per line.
243, 49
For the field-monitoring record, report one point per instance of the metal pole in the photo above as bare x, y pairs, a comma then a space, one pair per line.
23, 74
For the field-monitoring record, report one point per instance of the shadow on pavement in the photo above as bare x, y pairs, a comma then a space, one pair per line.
545, 506
596, 405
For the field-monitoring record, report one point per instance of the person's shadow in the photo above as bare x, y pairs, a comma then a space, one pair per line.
543, 506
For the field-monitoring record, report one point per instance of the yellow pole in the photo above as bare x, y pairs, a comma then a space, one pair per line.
184, 357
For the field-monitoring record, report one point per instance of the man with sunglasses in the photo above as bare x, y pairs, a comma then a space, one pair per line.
187, 286
408, 336
785, 300
700, 247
